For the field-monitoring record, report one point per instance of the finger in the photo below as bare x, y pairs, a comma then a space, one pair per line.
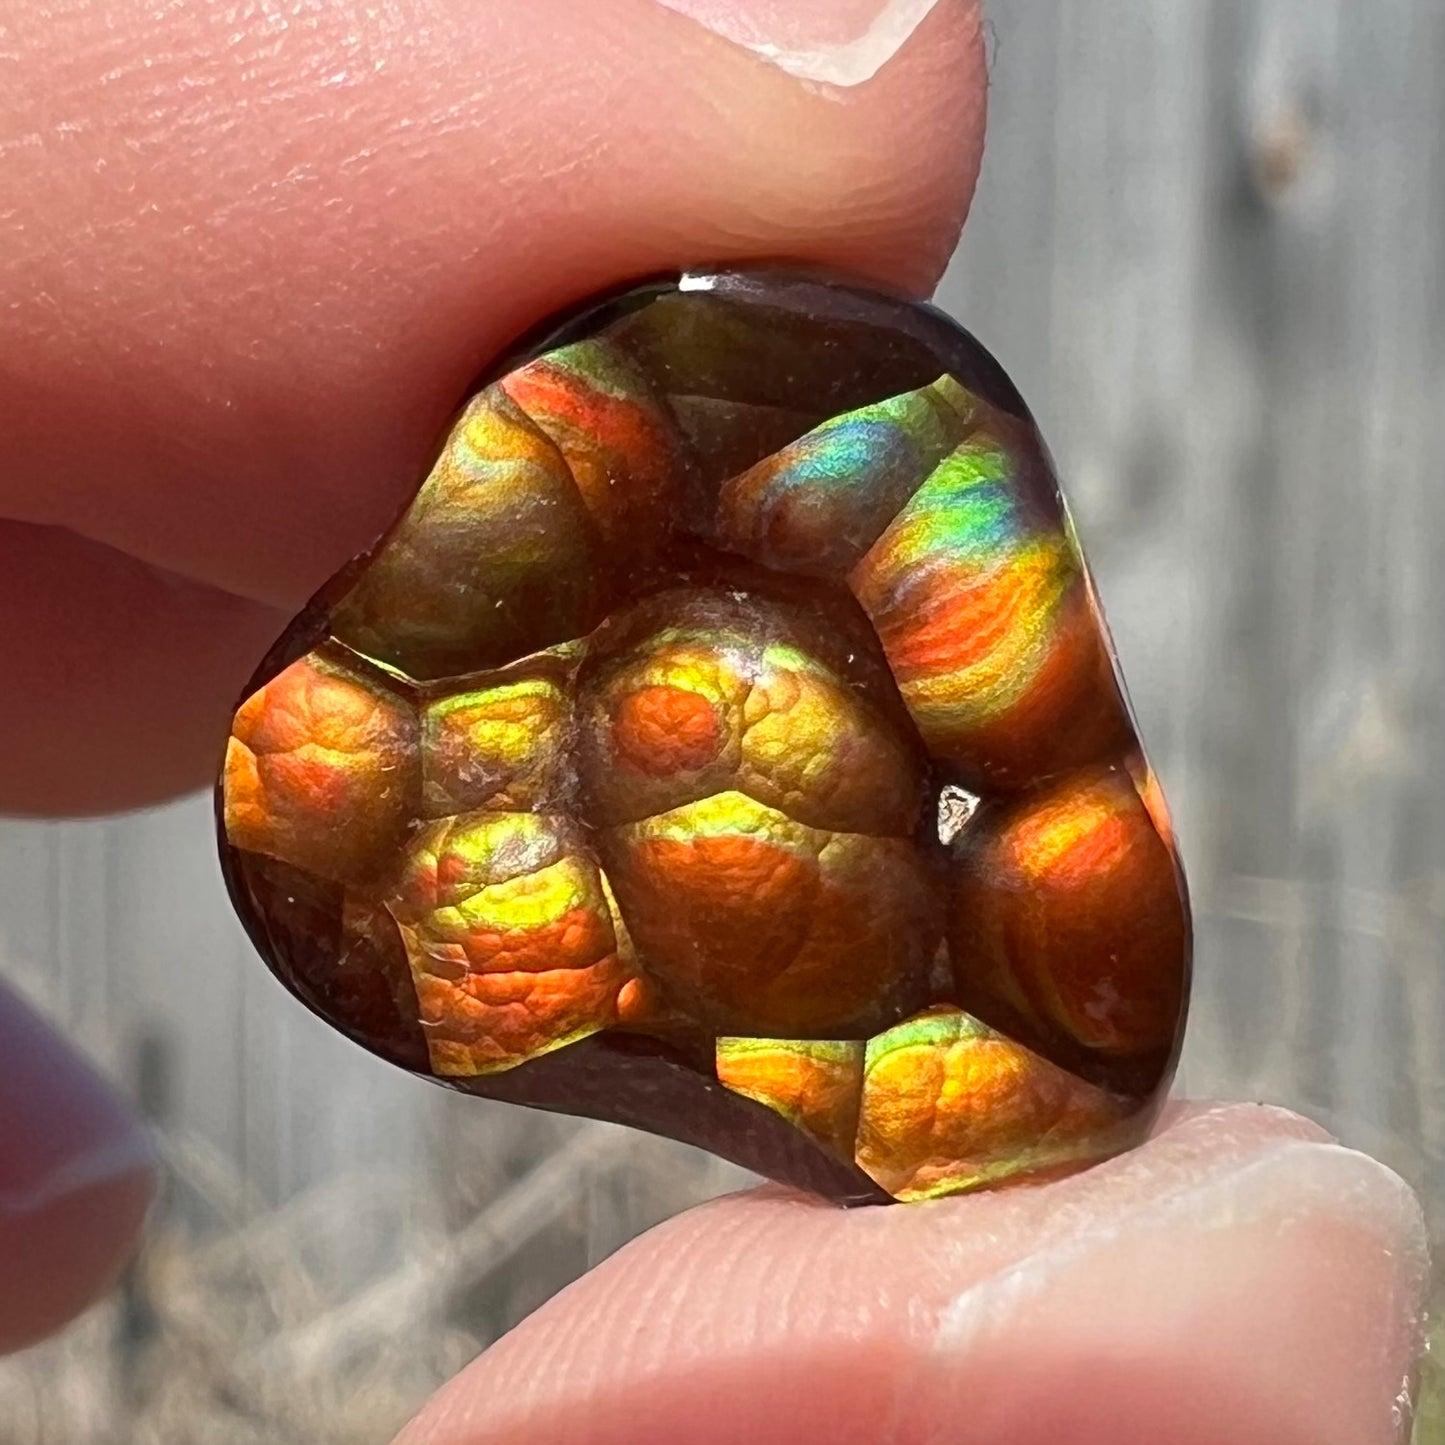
252, 259
119, 679
76, 1178
1239, 1278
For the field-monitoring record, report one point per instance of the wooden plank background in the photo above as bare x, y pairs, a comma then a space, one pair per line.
1209, 243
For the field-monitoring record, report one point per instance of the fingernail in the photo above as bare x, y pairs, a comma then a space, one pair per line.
1290, 1181
1298, 1275
77, 1173
835, 42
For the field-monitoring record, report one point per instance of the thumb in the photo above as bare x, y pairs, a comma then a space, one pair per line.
1239, 1278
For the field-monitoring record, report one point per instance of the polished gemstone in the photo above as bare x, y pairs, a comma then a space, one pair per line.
726, 741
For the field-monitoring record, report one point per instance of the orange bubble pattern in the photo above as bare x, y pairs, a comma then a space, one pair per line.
816, 1086
503, 744
732, 698
319, 745
1063, 905
598, 410
751, 919
492, 560
707, 704
983, 610
949, 1104
510, 938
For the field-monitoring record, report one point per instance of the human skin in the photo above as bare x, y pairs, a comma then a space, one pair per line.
252, 256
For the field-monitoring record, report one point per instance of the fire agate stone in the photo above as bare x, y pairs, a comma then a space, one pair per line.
726, 741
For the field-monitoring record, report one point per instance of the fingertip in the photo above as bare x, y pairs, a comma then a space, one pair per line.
61, 1255
77, 1176
120, 680
248, 412
239, 376
1238, 1277
875, 179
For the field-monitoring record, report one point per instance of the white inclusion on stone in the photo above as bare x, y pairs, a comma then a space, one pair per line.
956, 807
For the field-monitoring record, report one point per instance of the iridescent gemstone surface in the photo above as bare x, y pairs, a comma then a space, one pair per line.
726, 741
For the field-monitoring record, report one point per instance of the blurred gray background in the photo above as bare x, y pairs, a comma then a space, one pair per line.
1209, 243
